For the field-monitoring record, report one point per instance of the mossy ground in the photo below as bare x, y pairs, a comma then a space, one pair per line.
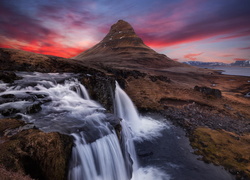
224, 148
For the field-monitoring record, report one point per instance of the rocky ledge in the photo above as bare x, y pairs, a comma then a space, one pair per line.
26, 150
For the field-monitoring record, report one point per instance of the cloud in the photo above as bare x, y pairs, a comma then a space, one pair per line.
244, 48
227, 55
224, 20
192, 56
240, 59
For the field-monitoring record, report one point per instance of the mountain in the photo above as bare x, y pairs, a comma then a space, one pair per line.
122, 47
200, 63
245, 63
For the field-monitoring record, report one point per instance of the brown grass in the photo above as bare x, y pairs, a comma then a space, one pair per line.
224, 148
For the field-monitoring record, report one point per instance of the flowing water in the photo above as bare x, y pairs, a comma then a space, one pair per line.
60, 103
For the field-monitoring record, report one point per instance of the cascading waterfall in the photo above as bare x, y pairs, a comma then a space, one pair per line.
66, 107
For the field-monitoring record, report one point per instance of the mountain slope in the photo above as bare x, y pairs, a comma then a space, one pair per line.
122, 47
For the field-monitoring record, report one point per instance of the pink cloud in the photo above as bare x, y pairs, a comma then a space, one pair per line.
192, 56
240, 59
244, 48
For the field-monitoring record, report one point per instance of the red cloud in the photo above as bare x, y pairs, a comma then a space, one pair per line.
192, 56
240, 59
245, 48
227, 55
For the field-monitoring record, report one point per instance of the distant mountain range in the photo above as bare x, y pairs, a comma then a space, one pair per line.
245, 63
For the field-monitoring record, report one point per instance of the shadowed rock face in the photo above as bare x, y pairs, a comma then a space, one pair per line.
122, 47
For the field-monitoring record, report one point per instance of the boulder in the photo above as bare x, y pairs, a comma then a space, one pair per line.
209, 92
8, 77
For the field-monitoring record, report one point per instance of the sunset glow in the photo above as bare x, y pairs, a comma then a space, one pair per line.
184, 30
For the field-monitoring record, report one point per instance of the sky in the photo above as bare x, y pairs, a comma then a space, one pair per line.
184, 30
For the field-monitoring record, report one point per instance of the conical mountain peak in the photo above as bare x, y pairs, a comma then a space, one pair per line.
122, 47
119, 31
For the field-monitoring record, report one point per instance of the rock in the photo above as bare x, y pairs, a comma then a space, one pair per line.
9, 175
8, 77
9, 124
38, 154
101, 89
115, 122
9, 111
34, 108
209, 92
161, 78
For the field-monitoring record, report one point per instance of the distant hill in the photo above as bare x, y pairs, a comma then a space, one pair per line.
200, 63
245, 63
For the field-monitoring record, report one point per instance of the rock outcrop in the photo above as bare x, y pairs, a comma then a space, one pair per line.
33, 152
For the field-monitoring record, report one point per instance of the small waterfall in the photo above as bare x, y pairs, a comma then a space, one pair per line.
100, 160
82, 91
125, 109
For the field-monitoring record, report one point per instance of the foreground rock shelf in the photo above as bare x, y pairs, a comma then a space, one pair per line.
40, 155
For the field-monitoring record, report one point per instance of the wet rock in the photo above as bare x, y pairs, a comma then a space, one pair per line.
34, 108
247, 95
9, 111
115, 122
209, 92
38, 154
8, 77
100, 89
145, 153
8, 96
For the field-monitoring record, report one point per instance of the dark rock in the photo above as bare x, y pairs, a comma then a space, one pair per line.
161, 78
101, 89
34, 108
9, 111
145, 154
115, 122
8, 77
209, 92
8, 96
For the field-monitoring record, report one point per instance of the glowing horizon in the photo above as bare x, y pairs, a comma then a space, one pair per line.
184, 30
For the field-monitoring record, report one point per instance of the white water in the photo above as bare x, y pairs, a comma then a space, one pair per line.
100, 160
136, 128
67, 108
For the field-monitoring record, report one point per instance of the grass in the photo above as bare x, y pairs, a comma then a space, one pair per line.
224, 148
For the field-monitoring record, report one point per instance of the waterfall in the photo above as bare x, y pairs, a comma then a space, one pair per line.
62, 104
125, 109
100, 160
82, 91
